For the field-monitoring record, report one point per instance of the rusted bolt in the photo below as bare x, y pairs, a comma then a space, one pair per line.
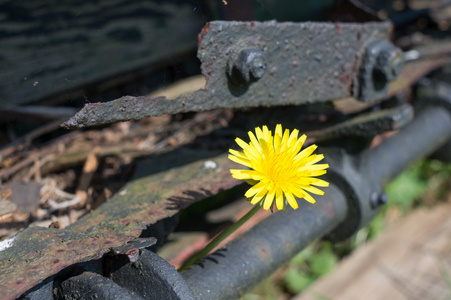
249, 65
381, 63
389, 62
378, 199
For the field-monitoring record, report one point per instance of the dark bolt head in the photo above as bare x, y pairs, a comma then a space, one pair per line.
381, 63
378, 199
389, 60
249, 65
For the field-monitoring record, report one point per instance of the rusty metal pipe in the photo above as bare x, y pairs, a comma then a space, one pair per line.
246, 261
230, 272
426, 133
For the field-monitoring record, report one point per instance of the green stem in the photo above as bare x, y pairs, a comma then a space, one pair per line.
219, 239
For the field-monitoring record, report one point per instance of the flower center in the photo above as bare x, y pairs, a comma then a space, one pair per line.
279, 168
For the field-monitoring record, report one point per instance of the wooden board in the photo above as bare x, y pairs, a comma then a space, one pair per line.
411, 260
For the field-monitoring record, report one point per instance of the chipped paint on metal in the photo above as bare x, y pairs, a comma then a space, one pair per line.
305, 62
38, 253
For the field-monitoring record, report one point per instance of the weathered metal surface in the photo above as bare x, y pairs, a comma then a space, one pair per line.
368, 125
38, 253
381, 64
412, 72
430, 130
304, 63
93, 286
253, 256
151, 277
50, 48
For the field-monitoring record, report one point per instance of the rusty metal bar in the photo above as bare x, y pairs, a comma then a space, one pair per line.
229, 272
246, 261
38, 253
301, 62
429, 130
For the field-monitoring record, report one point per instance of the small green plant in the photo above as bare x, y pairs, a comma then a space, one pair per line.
407, 187
297, 280
316, 260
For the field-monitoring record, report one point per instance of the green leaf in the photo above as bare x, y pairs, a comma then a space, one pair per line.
304, 254
296, 280
407, 187
376, 226
323, 262
319, 296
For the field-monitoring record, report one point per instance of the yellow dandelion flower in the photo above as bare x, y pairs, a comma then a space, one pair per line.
277, 168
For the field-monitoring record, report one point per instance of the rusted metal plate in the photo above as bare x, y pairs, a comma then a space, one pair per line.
367, 125
50, 48
298, 63
38, 253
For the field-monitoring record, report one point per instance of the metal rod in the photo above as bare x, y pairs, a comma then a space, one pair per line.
426, 133
229, 272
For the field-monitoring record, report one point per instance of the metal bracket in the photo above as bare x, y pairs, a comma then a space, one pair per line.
249, 64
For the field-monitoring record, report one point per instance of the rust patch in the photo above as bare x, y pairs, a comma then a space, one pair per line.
203, 33
288, 247
263, 254
215, 46
38, 253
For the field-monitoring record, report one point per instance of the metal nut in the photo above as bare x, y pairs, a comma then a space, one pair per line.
378, 199
248, 66
381, 63
389, 62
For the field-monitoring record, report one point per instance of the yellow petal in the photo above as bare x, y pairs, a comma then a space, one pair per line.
279, 199
277, 138
314, 159
254, 190
237, 153
243, 161
239, 174
278, 134
259, 133
314, 167
254, 141
265, 133
285, 136
309, 198
257, 198
293, 138
303, 181
269, 199
314, 190
319, 182
298, 193
291, 200
246, 147
254, 174
299, 143
317, 173
306, 152
277, 143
